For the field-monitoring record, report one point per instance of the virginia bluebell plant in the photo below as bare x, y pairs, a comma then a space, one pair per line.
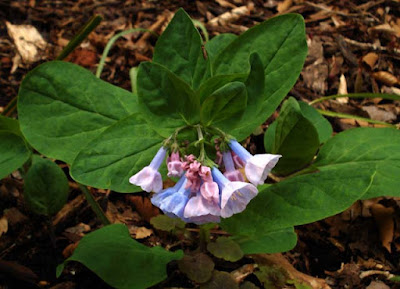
206, 190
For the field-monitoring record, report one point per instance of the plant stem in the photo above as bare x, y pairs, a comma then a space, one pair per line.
350, 116
111, 43
204, 237
80, 36
11, 106
200, 141
357, 95
94, 205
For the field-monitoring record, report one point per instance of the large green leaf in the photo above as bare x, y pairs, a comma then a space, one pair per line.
321, 124
224, 107
166, 99
216, 82
303, 199
13, 152
116, 154
281, 44
45, 187
296, 139
377, 148
266, 241
255, 91
358, 163
179, 49
120, 261
218, 43
62, 106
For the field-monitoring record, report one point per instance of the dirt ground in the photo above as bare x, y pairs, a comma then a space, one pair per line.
353, 47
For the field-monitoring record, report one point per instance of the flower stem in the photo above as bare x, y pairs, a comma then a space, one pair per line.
200, 141
94, 205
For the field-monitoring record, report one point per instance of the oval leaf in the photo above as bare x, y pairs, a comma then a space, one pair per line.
321, 124
225, 248
357, 163
46, 187
13, 152
166, 99
197, 267
179, 49
296, 139
62, 106
224, 107
377, 148
120, 261
281, 44
119, 152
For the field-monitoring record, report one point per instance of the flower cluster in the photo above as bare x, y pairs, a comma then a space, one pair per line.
203, 193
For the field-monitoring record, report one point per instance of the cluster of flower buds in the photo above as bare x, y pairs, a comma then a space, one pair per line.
204, 194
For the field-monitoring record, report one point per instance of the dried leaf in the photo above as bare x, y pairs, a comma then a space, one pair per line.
79, 229
284, 5
231, 16
377, 285
342, 89
144, 207
28, 41
370, 59
385, 77
140, 232
281, 262
384, 217
3, 225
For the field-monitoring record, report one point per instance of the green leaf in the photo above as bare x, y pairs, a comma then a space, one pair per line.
62, 106
9, 124
263, 241
377, 148
255, 91
214, 83
218, 43
179, 49
120, 261
45, 187
225, 248
13, 152
165, 223
321, 124
269, 137
116, 154
166, 99
224, 107
357, 163
296, 139
281, 44
197, 267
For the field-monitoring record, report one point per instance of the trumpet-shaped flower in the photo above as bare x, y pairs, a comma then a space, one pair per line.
174, 165
231, 173
173, 204
257, 167
149, 179
206, 202
234, 195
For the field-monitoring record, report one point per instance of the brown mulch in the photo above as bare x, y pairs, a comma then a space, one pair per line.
353, 47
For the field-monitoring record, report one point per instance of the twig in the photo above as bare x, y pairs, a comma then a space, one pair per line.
375, 47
